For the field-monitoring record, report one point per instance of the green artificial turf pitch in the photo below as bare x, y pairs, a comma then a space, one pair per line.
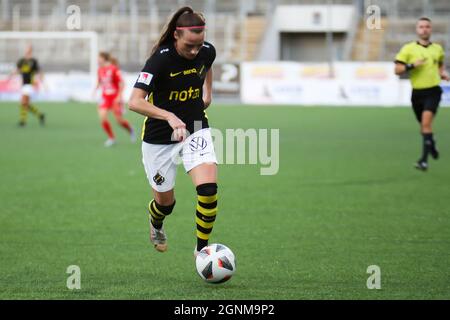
346, 197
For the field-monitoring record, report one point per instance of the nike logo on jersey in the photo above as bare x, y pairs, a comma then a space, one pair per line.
184, 72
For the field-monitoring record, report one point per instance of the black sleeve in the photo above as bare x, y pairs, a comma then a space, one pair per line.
19, 63
211, 54
150, 73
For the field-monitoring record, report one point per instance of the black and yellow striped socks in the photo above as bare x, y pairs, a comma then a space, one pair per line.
23, 114
35, 110
206, 212
157, 213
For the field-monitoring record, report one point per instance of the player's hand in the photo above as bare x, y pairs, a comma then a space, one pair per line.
40, 85
207, 101
419, 62
179, 128
445, 76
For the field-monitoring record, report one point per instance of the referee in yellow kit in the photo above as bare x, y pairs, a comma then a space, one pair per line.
424, 61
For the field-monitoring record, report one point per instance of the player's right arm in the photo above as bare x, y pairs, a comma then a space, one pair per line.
403, 67
15, 71
403, 61
12, 74
40, 75
145, 85
139, 104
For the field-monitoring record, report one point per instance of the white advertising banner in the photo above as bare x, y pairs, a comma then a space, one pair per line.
353, 83
445, 101
77, 86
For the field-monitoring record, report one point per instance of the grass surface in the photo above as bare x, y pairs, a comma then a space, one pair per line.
346, 197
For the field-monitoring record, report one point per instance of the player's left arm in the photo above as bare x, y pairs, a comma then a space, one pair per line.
121, 85
207, 88
442, 72
97, 85
40, 75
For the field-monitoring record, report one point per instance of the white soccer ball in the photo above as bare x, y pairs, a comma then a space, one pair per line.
215, 263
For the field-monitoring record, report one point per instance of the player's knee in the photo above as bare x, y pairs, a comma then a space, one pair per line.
165, 209
207, 189
117, 116
426, 125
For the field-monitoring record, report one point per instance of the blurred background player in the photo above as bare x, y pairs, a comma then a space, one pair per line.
28, 67
425, 62
111, 83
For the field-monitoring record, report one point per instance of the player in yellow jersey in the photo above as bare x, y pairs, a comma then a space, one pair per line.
424, 61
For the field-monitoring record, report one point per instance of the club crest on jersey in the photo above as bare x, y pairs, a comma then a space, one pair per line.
158, 179
197, 143
145, 78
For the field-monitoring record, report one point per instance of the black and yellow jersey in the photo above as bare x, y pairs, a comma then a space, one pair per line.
427, 75
175, 84
28, 68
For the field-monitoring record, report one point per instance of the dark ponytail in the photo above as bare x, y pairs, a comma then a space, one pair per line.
184, 17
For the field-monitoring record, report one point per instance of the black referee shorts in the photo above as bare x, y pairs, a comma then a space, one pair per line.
425, 100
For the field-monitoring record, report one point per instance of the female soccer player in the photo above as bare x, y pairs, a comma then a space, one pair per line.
111, 83
28, 67
172, 91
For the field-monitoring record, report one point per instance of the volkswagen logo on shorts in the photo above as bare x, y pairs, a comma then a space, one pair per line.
197, 143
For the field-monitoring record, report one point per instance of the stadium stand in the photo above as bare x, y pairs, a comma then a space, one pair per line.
130, 28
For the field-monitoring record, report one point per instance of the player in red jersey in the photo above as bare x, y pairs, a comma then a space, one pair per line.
111, 83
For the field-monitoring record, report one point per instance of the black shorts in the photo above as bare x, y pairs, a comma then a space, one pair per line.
425, 100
